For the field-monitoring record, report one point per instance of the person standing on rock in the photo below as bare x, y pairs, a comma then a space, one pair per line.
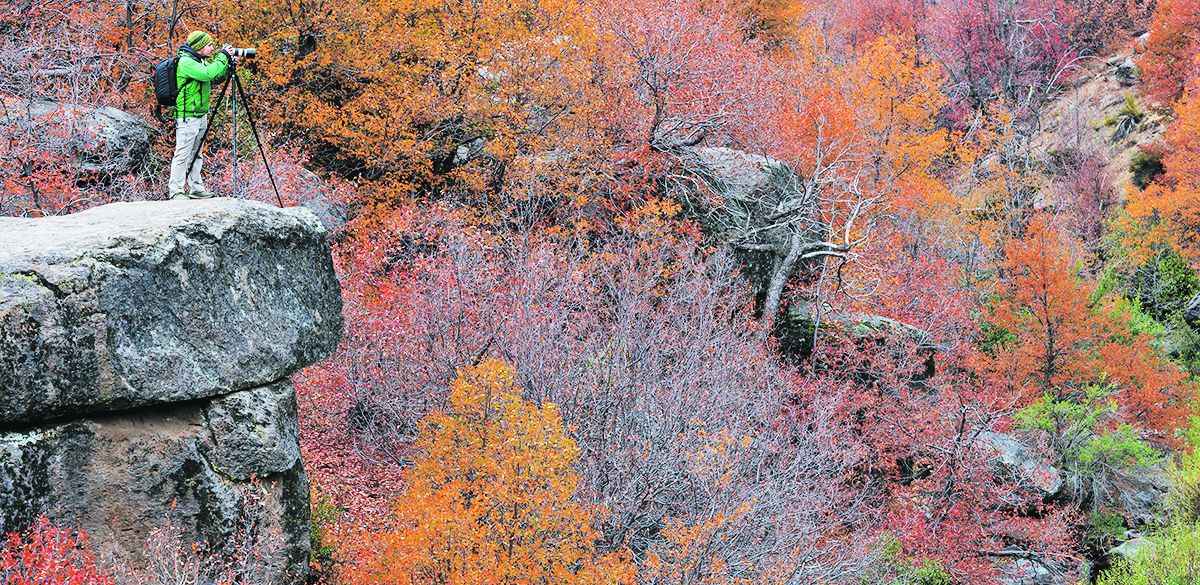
196, 72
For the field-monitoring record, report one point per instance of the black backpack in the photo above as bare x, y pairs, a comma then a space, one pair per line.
166, 87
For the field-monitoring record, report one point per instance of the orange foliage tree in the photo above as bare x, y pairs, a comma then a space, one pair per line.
863, 142
425, 96
489, 501
1171, 59
1056, 341
1168, 210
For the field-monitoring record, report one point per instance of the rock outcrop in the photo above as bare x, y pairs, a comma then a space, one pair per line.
751, 199
104, 139
1018, 466
144, 355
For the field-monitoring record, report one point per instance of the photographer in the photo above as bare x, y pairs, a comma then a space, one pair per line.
198, 69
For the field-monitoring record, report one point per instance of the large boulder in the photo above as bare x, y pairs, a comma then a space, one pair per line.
144, 355
121, 477
1015, 463
1034, 571
751, 199
134, 304
103, 139
1141, 493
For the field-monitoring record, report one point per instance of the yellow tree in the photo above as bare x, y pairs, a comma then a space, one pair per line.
489, 502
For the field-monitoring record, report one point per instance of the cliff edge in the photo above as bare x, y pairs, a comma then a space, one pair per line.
145, 350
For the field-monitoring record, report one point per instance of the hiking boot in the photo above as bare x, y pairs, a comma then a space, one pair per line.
175, 196
201, 195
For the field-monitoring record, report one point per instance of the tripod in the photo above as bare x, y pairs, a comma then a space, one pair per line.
238, 93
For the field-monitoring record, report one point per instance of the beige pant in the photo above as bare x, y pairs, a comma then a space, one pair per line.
187, 141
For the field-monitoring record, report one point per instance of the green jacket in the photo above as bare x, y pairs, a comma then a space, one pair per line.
195, 77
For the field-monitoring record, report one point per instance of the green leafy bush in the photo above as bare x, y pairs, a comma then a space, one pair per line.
897, 569
1186, 345
1145, 166
1184, 497
929, 572
1164, 285
1104, 529
1169, 557
1084, 441
324, 514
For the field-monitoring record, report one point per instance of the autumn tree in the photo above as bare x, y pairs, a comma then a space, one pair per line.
1168, 210
859, 23
848, 144
67, 57
1055, 341
637, 341
426, 98
684, 74
1099, 26
903, 358
1169, 64
1016, 52
490, 498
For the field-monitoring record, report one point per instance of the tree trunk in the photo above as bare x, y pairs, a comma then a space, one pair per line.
778, 280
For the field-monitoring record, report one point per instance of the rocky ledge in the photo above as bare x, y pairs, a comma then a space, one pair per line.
145, 350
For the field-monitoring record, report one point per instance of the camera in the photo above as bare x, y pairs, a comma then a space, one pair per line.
239, 52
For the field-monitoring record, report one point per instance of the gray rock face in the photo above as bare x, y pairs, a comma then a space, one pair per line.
1035, 571
121, 477
1127, 73
144, 351
1022, 468
254, 431
107, 140
134, 304
1129, 548
1191, 311
759, 201
1141, 493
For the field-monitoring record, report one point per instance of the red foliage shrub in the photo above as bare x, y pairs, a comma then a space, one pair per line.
1017, 52
48, 555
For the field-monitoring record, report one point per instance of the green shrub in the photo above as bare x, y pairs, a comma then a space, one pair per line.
930, 572
1145, 166
1185, 345
902, 570
1084, 441
1164, 285
324, 514
1184, 497
1104, 529
1171, 556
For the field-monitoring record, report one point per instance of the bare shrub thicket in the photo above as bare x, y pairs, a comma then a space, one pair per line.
690, 436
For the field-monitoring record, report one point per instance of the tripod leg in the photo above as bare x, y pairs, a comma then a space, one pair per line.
233, 99
254, 128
